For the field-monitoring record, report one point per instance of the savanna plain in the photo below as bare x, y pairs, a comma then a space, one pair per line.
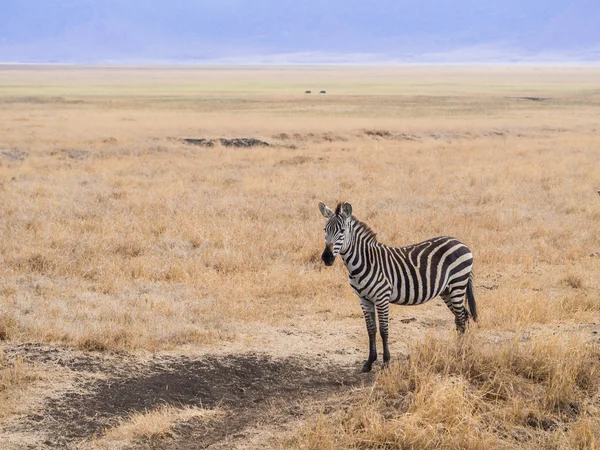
163, 293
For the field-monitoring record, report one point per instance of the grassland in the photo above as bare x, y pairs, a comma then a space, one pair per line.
120, 242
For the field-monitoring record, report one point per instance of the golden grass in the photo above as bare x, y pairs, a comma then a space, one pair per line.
117, 236
155, 250
149, 426
473, 394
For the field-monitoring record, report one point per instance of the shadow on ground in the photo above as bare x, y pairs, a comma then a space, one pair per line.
244, 385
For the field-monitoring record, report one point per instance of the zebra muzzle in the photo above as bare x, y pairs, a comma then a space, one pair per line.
327, 256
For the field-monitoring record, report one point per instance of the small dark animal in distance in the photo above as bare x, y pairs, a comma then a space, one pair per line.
535, 99
307, 92
323, 92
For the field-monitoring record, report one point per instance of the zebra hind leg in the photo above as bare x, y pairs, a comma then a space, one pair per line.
368, 309
454, 300
382, 314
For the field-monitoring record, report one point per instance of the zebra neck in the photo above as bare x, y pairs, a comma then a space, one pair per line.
360, 237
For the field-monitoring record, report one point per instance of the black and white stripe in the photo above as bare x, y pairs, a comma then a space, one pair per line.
410, 275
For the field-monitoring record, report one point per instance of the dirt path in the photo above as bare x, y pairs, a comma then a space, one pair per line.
109, 388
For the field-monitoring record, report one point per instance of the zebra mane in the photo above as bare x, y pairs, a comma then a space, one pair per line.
366, 229
368, 232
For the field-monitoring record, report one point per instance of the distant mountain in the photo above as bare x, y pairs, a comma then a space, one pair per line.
93, 31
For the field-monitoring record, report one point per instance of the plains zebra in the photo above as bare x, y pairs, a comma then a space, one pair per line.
410, 275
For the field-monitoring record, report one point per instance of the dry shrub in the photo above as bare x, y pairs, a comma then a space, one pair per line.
573, 281
378, 133
473, 394
294, 161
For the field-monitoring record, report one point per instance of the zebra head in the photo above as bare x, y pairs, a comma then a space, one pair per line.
335, 230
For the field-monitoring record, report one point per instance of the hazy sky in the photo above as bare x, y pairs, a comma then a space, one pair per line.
244, 30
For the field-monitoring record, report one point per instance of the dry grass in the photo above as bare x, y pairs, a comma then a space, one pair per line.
15, 376
117, 236
149, 427
474, 394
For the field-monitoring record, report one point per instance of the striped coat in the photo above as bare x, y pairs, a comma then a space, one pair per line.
409, 275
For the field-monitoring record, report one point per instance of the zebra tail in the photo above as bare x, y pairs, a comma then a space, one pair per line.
471, 299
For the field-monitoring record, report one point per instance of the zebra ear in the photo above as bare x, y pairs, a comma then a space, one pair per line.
327, 213
346, 210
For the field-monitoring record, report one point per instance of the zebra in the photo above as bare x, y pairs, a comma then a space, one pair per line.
411, 275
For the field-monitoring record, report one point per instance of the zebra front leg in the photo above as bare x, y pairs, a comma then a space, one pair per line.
368, 309
382, 314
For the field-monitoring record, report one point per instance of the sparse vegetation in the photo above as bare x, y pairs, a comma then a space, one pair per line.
116, 236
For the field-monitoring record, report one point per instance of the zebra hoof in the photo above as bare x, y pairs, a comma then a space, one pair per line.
366, 367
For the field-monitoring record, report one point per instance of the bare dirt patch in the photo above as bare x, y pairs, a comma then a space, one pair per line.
246, 386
